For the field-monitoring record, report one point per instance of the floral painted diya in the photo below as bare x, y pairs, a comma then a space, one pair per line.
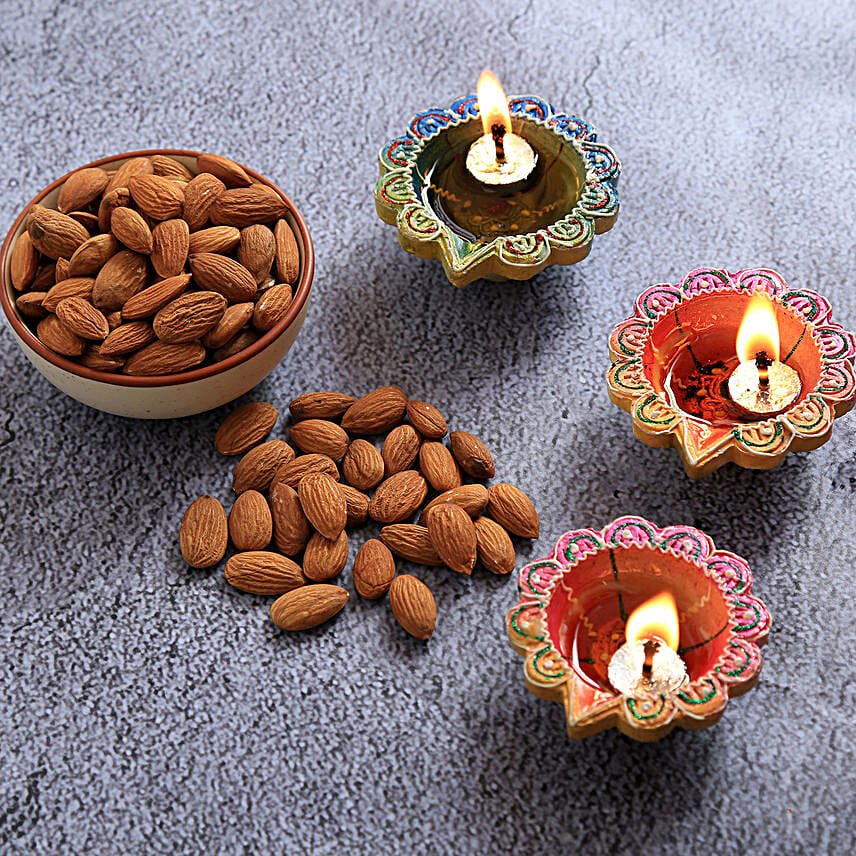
497, 189
638, 627
732, 367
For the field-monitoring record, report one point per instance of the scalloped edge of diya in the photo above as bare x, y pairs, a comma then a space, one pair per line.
517, 257
697, 704
753, 445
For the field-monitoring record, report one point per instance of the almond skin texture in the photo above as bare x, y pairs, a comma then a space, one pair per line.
256, 250
127, 338
323, 558
244, 339
320, 436
91, 255
200, 194
374, 569
76, 286
323, 504
86, 219
245, 427
54, 234
227, 171
29, 304
110, 201
292, 472
132, 167
122, 276
81, 188
256, 469
61, 270
307, 606
400, 448
357, 505
147, 302
92, 358
81, 317
203, 536
453, 535
163, 358
214, 272
53, 334
23, 263
45, 277
157, 196
495, 550
377, 412
472, 455
427, 420
363, 465
245, 206
170, 246
250, 522
130, 228
439, 467
471, 497
262, 572
189, 317
413, 606
287, 253
271, 306
398, 497
320, 405
234, 319
216, 239
513, 510
410, 541
291, 529
170, 167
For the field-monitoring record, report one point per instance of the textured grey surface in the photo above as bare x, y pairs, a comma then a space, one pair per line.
145, 707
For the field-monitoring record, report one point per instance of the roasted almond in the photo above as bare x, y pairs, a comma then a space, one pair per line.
262, 572
256, 469
271, 306
23, 262
92, 358
427, 420
81, 317
256, 250
170, 168
244, 206
29, 304
377, 412
320, 405
80, 188
214, 272
91, 255
200, 194
170, 246
250, 522
320, 436
127, 338
413, 605
323, 504
471, 497
374, 569
235, 318
292, 472
307, 606
189, 317
325, 558
126, 171
203, 535
410, 541
513, 510
227, 171
398, 497
53, 334
291, 529
147, 302
76, 286
399, 449
439, 467
363, 465
495, 550
163, 358
156, 196
472, 455
245, 427
110, 201
453, 535
287, 253
130, 228
121, 277
215, 239
54, 234
357, 504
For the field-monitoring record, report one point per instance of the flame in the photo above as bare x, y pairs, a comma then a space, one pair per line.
656, 617
758, 330
493, 105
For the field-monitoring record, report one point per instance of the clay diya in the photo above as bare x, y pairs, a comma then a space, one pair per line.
638, 627
732, 367
497, 189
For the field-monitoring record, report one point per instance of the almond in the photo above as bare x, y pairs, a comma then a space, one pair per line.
250, 522
271, 306
320, 405
29, 304
400, 448
55, 335
307, 606
23, 262
256, 250
291, 529
357, 504
61, 270
323, 504
80, 188
320, 436
363, 465
127, 338
513, 510
236, 317
324, 558
203, 535
91, 255
122, 276
244, 206
130, 228
245, 427
376, 412
163, 358
287, 253
216, 239
427, 420
81, 317
453, 535
76, 286
170, 168
45, 277
156, 196
262, 572
147, 302
471, 497
495, 550
413, 606
410, 541
256, 469
214, 272
54, 234
374, 569
292, 472
243, 340
86, 219
126, 171
472, 455
170, 246
114, 319
110, 201
398, 497
199, 195
189, 317
93, 359
227, 171
439, 467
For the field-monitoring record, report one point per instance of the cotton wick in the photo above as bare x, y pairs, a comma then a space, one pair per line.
763, 363
651, 648
498, 132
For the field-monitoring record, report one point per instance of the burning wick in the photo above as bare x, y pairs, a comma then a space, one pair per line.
762, 385
648, 663
499, 158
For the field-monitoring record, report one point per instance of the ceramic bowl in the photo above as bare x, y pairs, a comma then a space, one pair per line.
166, 396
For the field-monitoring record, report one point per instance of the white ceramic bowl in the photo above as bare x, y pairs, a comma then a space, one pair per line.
166, 396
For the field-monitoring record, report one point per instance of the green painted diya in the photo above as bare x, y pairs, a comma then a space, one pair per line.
478, 230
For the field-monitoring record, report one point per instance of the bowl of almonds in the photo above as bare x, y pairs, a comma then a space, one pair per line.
157, 284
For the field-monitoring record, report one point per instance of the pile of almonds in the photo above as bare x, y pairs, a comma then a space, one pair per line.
153, 269
292, 542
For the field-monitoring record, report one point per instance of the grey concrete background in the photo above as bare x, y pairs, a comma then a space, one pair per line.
146, 708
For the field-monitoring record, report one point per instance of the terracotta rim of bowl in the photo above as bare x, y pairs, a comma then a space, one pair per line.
301, 292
